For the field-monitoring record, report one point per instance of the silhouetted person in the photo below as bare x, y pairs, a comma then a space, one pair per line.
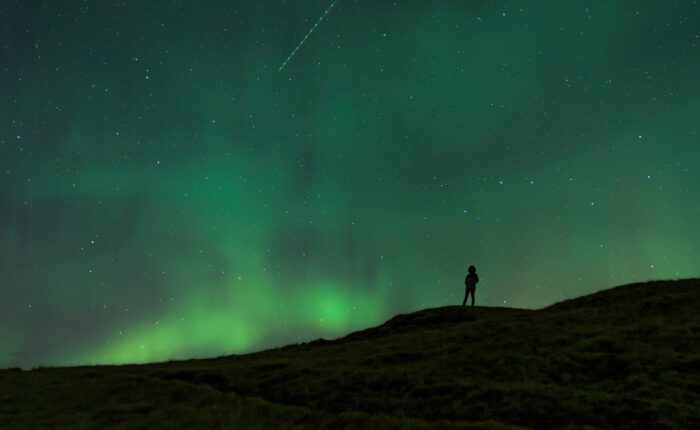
470, 282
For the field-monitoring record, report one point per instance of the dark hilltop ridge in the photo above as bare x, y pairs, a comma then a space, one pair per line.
623, 358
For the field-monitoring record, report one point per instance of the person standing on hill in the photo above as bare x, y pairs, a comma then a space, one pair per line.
470, 282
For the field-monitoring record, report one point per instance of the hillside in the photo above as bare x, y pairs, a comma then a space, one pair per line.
626, 357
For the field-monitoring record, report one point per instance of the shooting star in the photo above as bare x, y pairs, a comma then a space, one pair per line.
307, 35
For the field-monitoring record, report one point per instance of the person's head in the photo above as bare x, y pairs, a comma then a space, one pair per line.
472, 269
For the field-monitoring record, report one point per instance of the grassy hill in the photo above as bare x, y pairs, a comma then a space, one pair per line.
626, 357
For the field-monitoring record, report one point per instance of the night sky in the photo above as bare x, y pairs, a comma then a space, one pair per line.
166, 192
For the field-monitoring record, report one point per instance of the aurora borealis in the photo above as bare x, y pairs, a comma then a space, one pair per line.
166, 192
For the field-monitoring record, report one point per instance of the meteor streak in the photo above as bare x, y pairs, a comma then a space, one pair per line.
307, 35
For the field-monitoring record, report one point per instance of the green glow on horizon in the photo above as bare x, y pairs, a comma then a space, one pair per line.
327, 310
201, 329
336, 310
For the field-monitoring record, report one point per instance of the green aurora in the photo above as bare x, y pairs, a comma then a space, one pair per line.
166, 192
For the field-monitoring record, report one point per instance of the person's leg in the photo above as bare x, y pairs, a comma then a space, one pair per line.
473, 291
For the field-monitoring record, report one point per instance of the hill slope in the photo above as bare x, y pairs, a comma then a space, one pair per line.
620, 358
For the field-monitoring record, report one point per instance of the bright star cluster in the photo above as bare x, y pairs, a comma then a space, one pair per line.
167, 192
